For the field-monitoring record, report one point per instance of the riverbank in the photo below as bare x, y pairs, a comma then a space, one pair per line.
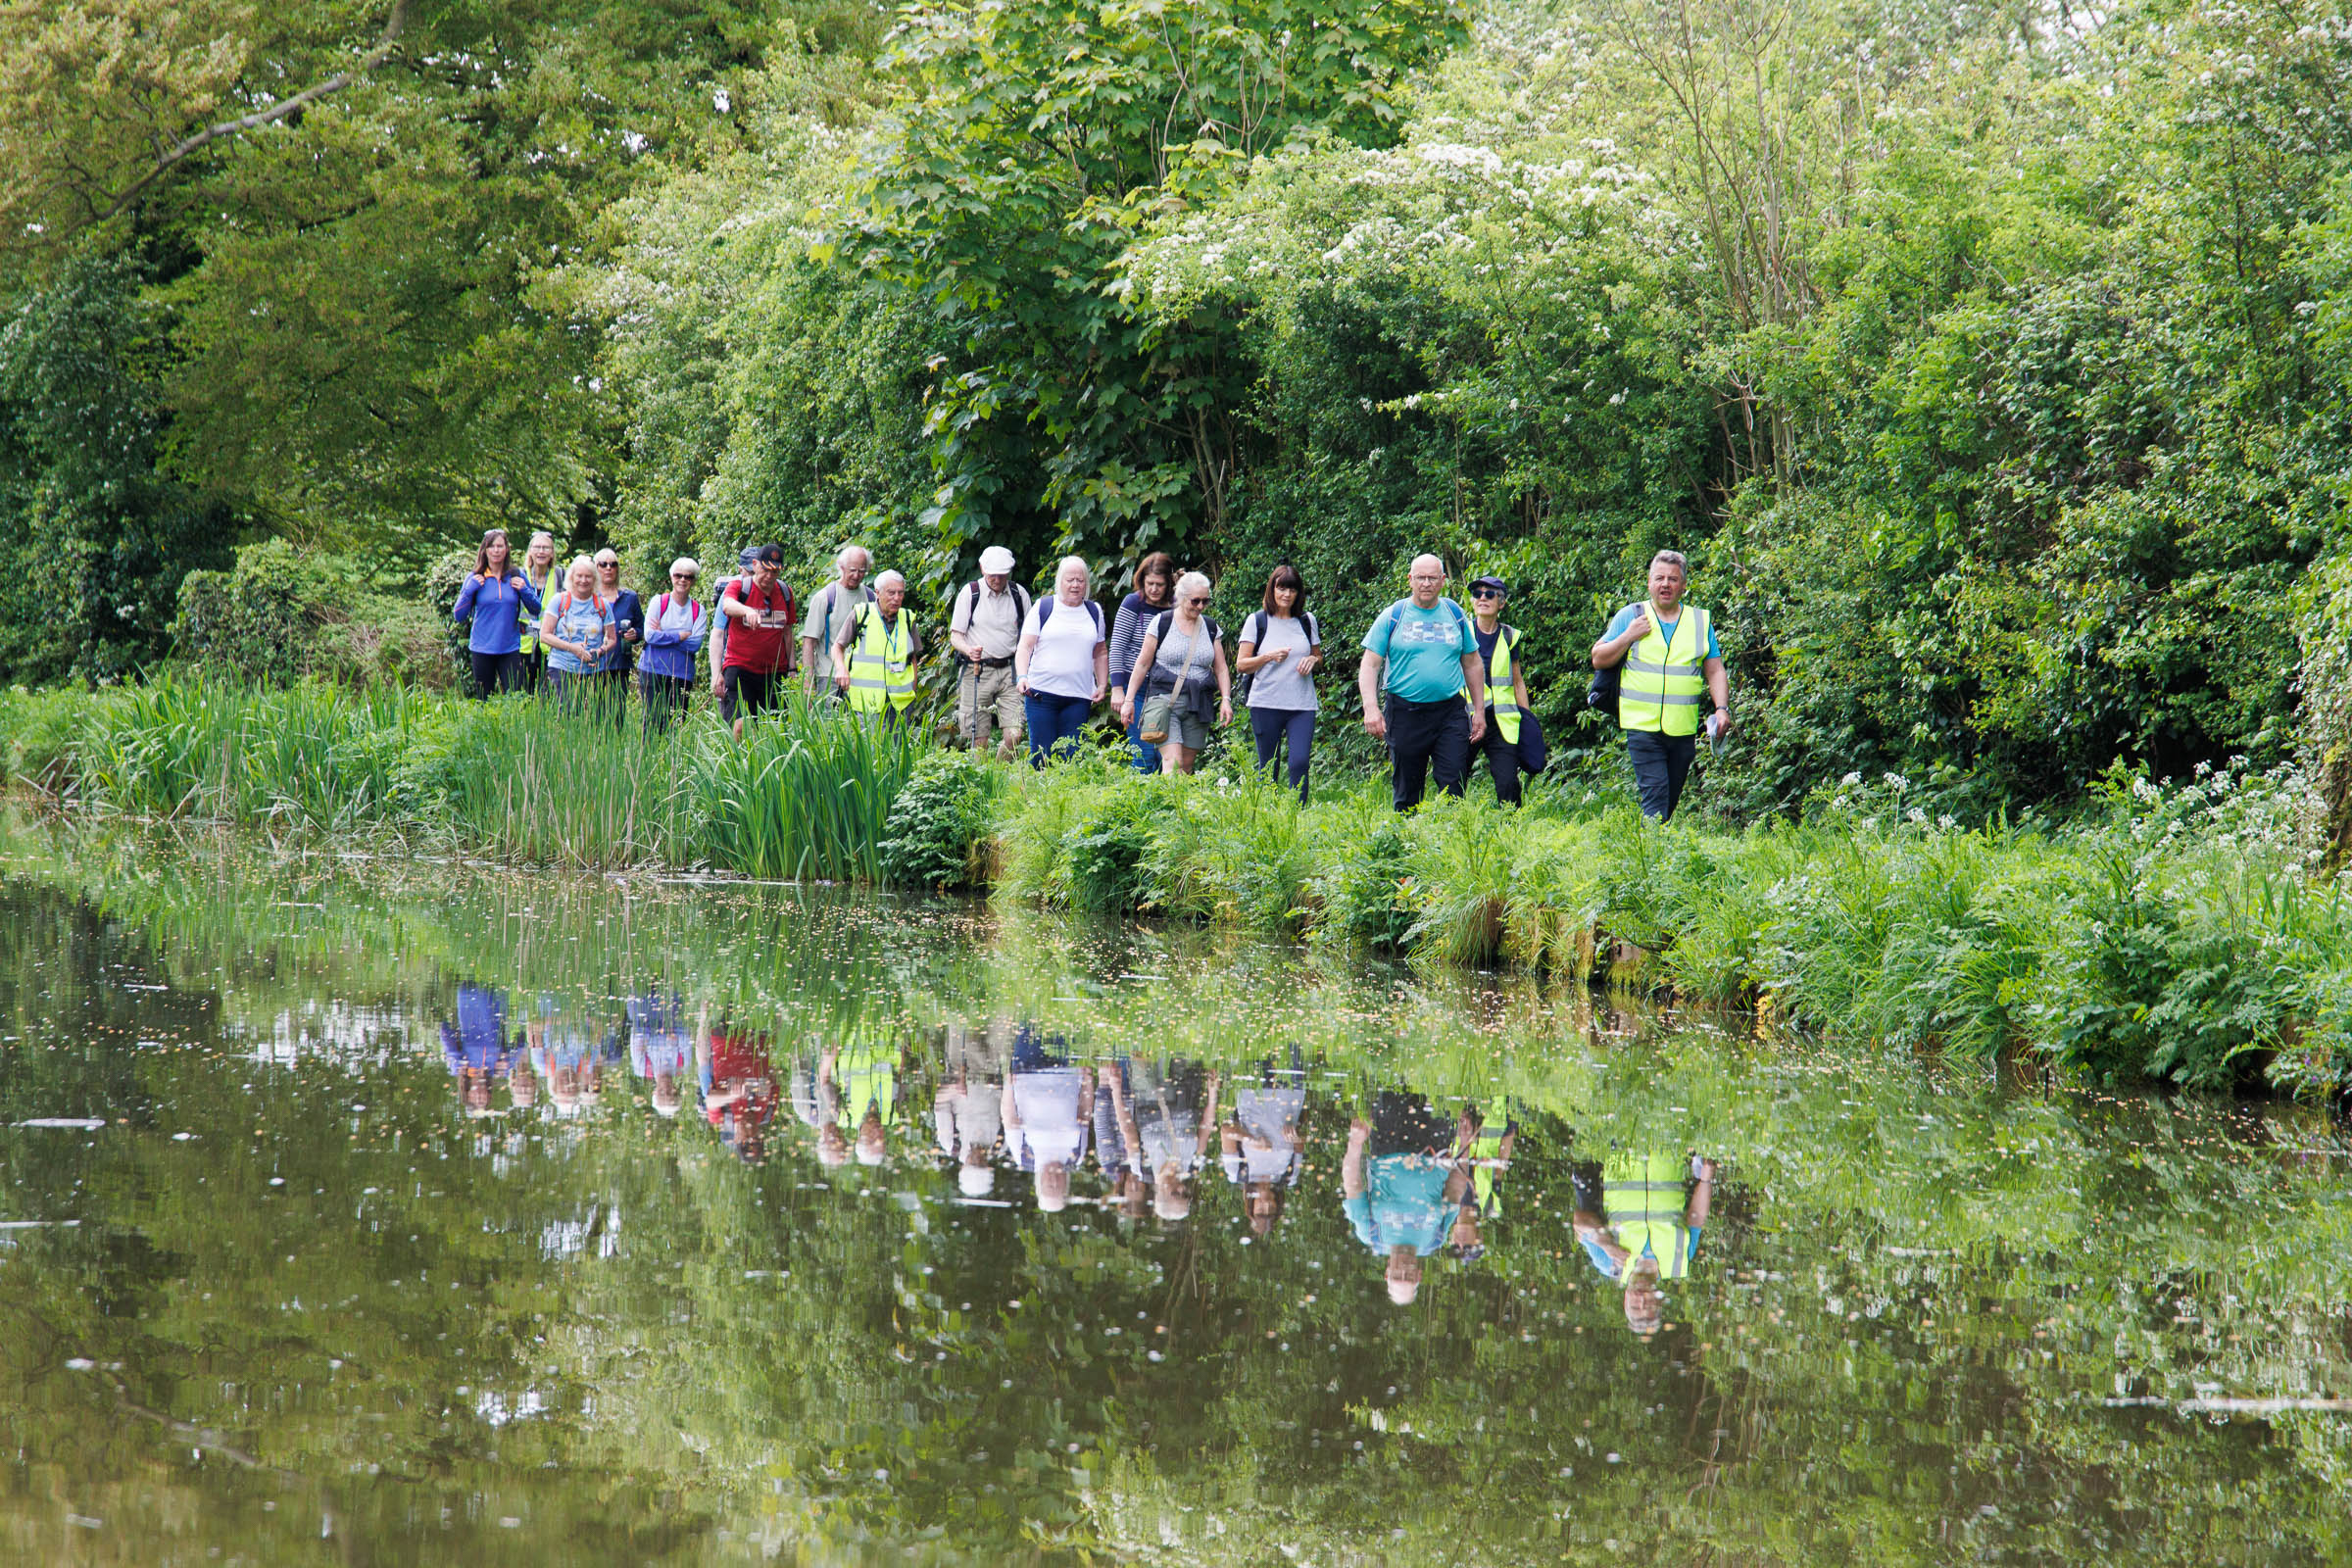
2171, 934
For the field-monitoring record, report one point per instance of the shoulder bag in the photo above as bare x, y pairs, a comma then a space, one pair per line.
1159, 705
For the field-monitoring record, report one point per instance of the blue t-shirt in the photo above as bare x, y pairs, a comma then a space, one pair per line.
1424, 648
577, 620
1624, 617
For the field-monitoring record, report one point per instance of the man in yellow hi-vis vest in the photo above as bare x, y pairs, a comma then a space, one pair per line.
1654, 1204
1672, 663
874, 652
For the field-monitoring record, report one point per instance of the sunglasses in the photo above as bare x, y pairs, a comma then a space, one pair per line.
681, 576
1486, 592
606, 565
1197, 603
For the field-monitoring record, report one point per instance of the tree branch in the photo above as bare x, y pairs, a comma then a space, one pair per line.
192, 144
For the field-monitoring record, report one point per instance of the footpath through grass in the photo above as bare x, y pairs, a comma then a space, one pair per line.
2176, 934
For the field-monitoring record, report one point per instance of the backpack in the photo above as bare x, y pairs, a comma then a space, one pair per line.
662, 603
1253, 632
1020, 605
1045, 614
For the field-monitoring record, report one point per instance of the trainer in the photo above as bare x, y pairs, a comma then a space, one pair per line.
1672, 664
1423, 650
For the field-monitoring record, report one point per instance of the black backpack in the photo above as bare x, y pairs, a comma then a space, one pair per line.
1602, 695
1253, 631
1020, 605
1045, 614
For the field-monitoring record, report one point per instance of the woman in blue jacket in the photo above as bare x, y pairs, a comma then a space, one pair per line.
675, 625
493, 599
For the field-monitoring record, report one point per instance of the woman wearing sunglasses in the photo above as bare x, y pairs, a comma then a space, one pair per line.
1182, 659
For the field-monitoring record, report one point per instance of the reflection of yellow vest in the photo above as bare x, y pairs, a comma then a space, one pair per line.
1645, 1198
881, 667
1501, 695
1664, 683
869, 1081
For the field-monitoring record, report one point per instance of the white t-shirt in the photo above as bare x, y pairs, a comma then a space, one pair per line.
1063, 664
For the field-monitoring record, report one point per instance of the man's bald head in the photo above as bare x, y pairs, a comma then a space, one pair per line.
1429, 580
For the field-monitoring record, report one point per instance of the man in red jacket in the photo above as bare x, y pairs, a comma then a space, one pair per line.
760, 613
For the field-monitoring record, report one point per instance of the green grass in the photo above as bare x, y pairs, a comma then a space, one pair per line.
2169, 934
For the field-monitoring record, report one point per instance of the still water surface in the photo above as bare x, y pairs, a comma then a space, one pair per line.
362, 1215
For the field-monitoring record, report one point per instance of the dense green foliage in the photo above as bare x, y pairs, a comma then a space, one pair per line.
1990, 363
280, 616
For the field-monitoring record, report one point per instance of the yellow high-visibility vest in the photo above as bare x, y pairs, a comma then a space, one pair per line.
1501, 695
1663, 682
881, 663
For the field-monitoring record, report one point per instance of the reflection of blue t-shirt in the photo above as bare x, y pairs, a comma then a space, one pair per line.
1624, 617
1424, 648
1404, 1201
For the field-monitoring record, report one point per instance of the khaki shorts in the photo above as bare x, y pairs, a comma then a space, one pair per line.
1187, 731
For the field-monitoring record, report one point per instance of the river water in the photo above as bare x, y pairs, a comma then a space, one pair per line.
369, 1210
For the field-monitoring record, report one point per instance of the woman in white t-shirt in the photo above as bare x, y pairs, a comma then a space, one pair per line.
1063, 662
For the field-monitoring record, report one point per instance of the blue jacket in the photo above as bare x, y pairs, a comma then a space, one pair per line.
627, 610
674, 631
495, 608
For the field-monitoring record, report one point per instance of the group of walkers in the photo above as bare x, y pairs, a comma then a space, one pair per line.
1130, 1135
1439, 684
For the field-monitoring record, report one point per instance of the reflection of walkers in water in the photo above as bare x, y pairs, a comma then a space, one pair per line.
661, 1047
967, 1112
1046, 1106
1159, 1109
1651, 1208
1403, 1199
568, 1047
1122, 1163
738, 1084
1261, 1147
476, 1047
862, 1078
1485, 1145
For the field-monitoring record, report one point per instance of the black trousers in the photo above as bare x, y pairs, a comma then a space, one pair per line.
1661, 766
666, 698
496, 672
1421, 734
1271, 726
1502, 761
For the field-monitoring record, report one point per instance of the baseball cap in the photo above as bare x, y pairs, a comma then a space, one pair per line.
773, 555
1496, 583
995, 558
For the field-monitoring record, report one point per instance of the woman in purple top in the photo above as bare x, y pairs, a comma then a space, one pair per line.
492, 601
675, 627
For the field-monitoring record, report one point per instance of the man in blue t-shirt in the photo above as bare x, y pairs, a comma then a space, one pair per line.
1423, 650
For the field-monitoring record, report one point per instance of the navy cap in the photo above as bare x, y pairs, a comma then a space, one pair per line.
1496, 583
